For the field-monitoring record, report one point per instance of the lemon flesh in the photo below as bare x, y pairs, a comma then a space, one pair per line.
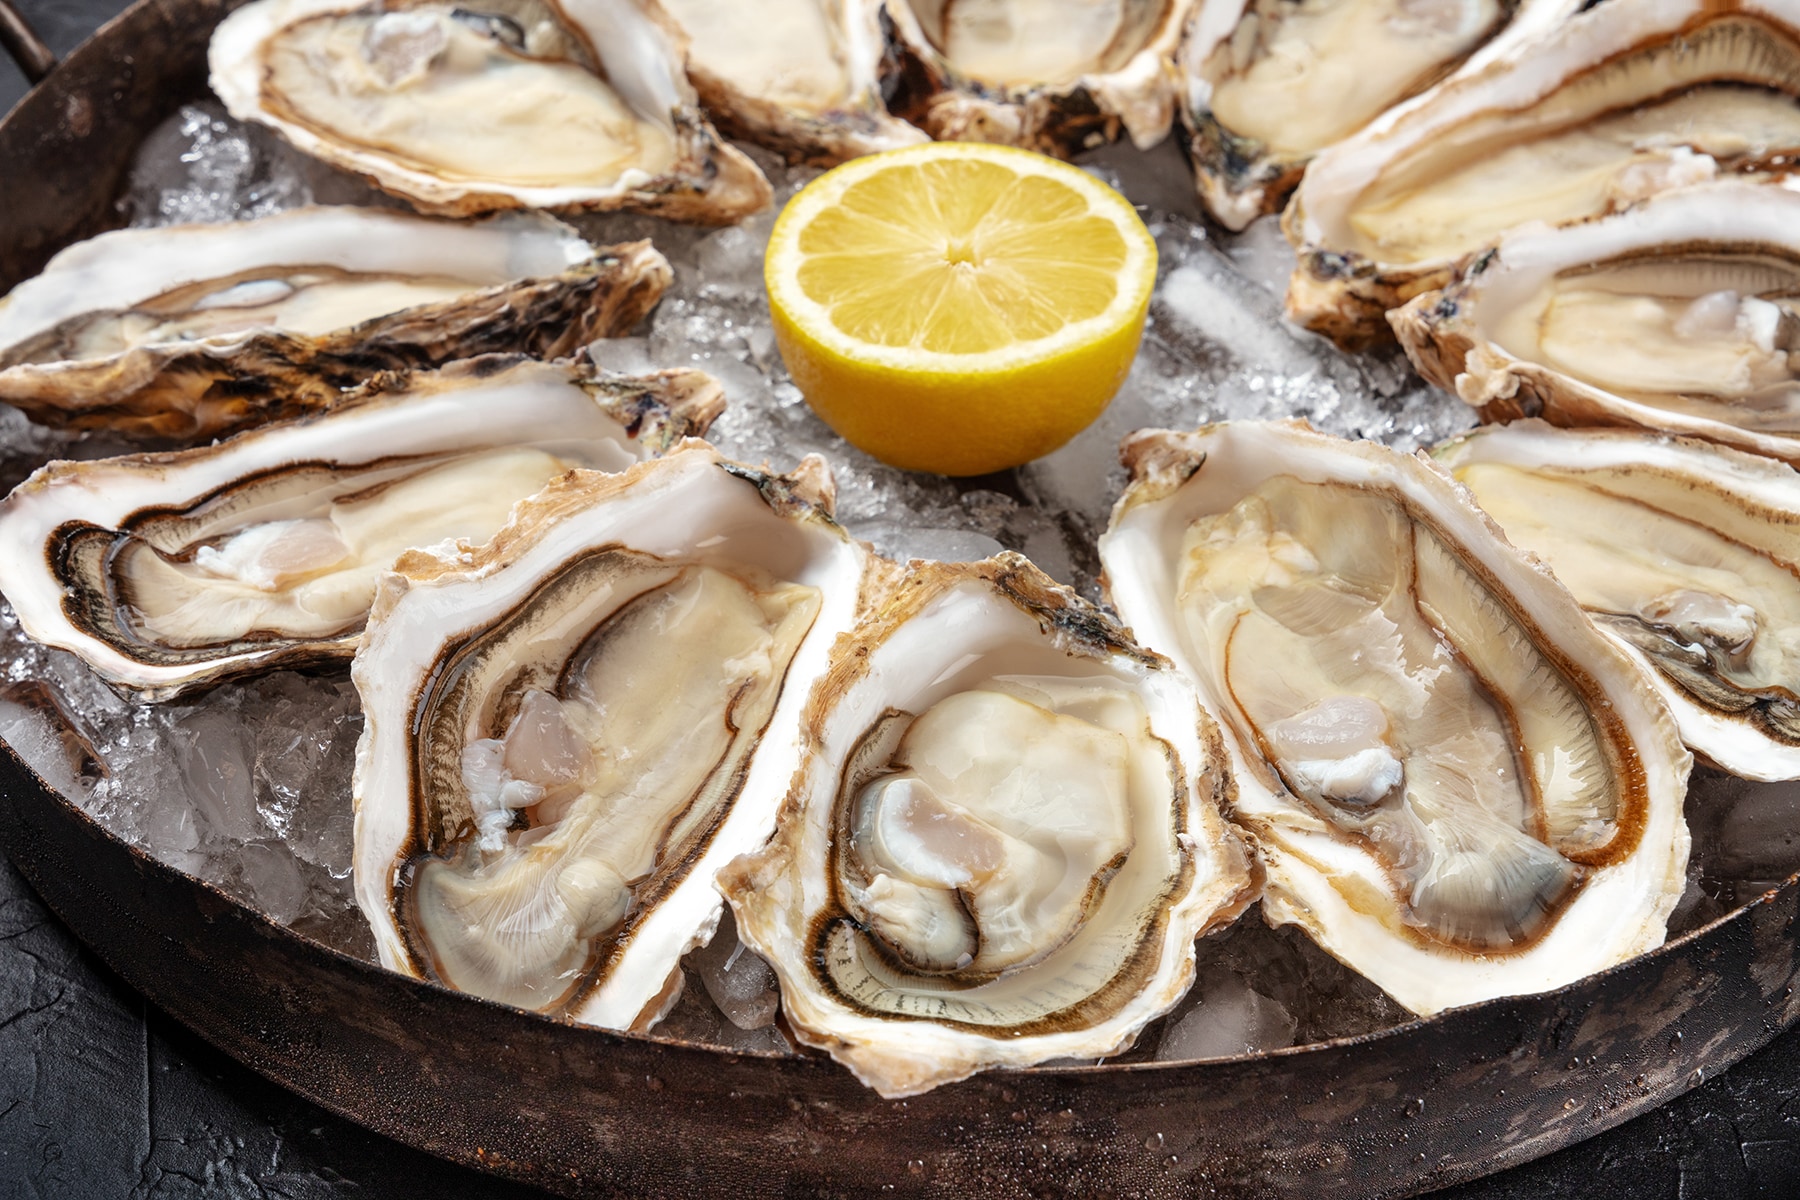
958, 308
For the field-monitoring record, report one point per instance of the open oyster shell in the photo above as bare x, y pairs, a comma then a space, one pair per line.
1270, 83
1002, 842
1621, 102
1455, 782
169, 572
1056, 76
570, 729
582, 104
1681, 314
803, 77
1687, 553
197, 330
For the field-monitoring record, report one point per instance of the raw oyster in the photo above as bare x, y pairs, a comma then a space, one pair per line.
168, 572
570, 729
1004, 842
1681, 314
197, 330
1057, 76
800, 76
1687, 553
1270, 83
579, 104
1455, 782
1628, 99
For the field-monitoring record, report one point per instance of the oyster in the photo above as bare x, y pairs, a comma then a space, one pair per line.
1003, 843
570, 729
1057, 76
197, 330
1687, 553
1621, 102
799, 76
1271, 83
168, 572
1456, 784
526, 103
1681, 314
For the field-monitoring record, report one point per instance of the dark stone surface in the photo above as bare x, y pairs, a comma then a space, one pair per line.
101, 1096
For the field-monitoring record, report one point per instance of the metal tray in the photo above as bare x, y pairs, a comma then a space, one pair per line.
582, 1111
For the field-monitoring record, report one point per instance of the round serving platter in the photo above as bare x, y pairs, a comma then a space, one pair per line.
582, 1111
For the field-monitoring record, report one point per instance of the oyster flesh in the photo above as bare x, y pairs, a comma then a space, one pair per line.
1626, 100
1456, 784
1270, 83
1056, 76
803, 77
1687, 553
578, 104
169, 572
1681, 314
197, 330
569, 730
1004, 842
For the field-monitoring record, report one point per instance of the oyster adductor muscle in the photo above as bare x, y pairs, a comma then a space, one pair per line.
195, 331
569, 730
169, 572
1003, 842
1455, 782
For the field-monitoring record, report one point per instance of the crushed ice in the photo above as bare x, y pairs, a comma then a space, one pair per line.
247, 786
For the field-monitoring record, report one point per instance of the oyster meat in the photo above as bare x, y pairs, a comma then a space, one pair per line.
1271, 83
803, 77
1687, 553
1056, 76
527, 103
197, 330
1004, 842
1455, 782
1681, 314
169, 572
569, 730
1619, 103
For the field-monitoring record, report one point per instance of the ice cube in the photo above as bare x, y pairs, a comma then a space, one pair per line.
1226, 1017
1263, 255
737, 979
900, 541
216, 751
271, 877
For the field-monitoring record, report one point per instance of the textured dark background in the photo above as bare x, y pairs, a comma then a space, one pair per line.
102, 1096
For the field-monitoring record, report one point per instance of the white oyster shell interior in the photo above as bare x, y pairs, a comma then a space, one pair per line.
570, 729
1686, 552
308, 271
579, 104
801, 76
1457, 784
1003, 846
1617, 104
1011, 70
171, 571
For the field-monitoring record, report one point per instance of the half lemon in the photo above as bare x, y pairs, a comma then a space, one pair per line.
957, 307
